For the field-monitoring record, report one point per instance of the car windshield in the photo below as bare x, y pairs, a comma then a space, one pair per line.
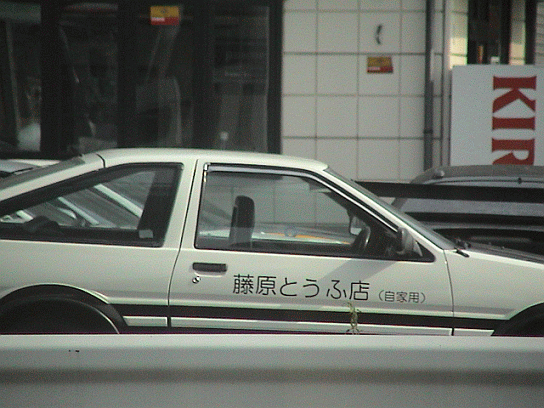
435, 238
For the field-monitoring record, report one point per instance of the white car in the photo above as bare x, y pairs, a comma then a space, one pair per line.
172, 240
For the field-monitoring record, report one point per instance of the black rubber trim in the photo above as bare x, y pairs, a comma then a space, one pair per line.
294, 315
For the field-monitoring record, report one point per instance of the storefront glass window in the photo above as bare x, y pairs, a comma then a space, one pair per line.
177, 75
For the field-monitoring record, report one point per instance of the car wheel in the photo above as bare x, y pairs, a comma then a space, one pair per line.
54, 317
533, 328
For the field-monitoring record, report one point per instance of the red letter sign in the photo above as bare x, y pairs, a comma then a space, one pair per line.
511, 96
514, 145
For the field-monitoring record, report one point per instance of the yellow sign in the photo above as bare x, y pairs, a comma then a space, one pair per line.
164, 15
379, 65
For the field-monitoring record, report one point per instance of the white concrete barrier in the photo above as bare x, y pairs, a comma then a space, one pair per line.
270, 371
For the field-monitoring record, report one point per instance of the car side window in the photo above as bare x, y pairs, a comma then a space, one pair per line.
128, 205
285, 213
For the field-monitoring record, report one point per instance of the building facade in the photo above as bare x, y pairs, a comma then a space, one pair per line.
364, 85
358, 75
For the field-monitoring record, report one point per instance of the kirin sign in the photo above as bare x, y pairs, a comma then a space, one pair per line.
497, 115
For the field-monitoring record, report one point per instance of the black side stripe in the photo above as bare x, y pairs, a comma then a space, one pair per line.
291, 315
142, 310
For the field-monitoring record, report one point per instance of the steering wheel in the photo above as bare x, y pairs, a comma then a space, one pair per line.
361, 241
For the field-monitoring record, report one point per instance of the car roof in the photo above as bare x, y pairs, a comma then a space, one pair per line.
479, 173
117, 156
481, 202
8, 167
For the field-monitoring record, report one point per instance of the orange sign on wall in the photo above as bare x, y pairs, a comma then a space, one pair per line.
379, 65
164, 15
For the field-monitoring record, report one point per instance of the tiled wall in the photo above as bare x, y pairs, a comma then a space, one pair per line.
370, 126
366, 126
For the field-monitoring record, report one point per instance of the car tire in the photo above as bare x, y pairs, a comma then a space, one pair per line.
51, 316
534, 328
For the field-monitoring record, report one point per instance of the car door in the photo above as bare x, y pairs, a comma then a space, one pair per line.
281, 250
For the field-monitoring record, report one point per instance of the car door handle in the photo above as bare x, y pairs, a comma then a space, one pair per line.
210, 267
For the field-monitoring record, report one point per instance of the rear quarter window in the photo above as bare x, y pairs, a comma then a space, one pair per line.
128, 205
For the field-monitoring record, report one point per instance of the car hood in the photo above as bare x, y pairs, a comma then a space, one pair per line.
502, 252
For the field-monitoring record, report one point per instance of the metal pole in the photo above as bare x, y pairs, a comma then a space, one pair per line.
429, 88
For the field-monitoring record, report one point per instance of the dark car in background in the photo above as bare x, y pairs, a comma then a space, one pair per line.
500, 205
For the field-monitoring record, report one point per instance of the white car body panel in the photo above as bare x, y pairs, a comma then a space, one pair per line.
117, 274
481, 278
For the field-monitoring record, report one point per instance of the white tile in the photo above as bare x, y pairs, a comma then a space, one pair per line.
388, 36
517, 61
379, 4
338, 32
298, 116
460, 6
413, 32
337, 74
378, 159
340, 155
300, 4
411, 116
517, 40
412, 76
336, 116
299, 74
338, 5
379, 117
300, 32
419, 5
411, 158
379, 83
459, 32
457, 60
299, 147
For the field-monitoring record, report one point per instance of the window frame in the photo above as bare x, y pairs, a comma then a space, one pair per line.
303, 174
98, 236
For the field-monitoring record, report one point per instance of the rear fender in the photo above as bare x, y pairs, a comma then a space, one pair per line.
63, 295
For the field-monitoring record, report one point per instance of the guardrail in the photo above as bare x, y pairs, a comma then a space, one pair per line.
270, 371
